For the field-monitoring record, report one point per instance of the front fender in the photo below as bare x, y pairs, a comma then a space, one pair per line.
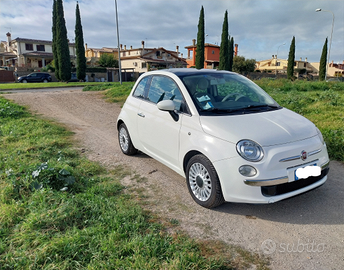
194, 140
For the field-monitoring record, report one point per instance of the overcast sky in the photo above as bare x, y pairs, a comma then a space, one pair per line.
259, 27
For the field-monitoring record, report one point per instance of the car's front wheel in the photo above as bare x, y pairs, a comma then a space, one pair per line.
125, 142
24, 81
45, 80
203, 182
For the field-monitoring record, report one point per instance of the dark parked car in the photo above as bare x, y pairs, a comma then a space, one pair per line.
35, 77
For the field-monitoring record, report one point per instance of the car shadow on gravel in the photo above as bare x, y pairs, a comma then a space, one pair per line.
324, 205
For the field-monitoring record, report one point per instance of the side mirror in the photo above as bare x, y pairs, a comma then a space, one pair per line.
166, 105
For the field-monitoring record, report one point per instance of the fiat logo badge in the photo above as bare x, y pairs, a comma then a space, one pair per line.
303, 155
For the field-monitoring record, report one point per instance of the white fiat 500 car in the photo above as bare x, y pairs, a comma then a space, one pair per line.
224, 134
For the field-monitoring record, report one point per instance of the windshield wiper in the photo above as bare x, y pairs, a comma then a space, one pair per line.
262, 106
241, 109
219, 111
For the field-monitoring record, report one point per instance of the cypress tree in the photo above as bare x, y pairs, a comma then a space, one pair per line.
322, 66
231, 53
291, 60
224, 47
56, 61
200, 41
79, 46
62, 44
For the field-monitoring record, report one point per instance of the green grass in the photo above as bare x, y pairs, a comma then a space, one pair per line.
58, 210
9, 86
114, 92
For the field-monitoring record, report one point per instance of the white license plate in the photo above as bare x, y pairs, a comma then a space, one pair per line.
305, 172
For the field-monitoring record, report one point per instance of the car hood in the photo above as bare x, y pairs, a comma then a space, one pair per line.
266, 128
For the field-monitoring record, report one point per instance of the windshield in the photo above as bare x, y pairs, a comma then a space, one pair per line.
224, 92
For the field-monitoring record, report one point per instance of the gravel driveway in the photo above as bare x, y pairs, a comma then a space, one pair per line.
304, 232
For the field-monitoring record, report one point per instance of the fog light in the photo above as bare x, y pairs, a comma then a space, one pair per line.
247, 170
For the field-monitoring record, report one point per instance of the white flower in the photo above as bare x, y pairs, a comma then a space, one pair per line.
35, 173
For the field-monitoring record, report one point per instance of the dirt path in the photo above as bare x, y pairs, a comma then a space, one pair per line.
305, 232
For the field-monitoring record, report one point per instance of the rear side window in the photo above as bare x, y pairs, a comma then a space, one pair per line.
140, 88
164, 88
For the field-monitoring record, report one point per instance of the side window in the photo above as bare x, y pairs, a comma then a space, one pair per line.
140, 88
164, 88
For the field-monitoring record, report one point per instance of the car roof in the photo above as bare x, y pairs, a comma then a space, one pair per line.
188, 71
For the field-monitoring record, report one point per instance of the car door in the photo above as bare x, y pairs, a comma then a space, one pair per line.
33, 77
158, 131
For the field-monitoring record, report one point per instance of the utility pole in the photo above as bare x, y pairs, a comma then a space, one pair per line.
119, 50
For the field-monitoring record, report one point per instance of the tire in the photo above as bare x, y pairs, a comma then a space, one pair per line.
125, 142
45, 80
24, 81
203, 182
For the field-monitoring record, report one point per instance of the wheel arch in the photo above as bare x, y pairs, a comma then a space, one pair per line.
188, 156
119, 122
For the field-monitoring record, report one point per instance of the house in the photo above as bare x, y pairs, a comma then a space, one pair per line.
211, 55
333, 70
144, 59
24, 53
275, 65
93, 54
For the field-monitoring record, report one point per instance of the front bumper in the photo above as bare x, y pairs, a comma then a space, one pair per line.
280, 180
275, 190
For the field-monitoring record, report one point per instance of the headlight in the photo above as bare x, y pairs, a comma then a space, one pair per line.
320, 136
250, 150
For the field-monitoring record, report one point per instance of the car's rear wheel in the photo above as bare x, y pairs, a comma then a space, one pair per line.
203, 182
125, 142
24, 81
45, 80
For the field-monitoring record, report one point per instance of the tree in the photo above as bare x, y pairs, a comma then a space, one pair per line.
322, 67
231, 54
55, 55
61, 43
224, 47
79, 46
108, 60
291, 60
242, 65
200, 41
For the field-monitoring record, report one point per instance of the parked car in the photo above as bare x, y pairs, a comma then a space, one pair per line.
222, 132
35, 77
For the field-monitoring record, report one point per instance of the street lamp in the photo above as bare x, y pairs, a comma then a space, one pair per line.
119, 51
329, 49
276, 56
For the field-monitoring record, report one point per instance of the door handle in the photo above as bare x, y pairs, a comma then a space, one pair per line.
141, 114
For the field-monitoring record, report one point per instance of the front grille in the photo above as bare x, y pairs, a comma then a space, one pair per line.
275, 190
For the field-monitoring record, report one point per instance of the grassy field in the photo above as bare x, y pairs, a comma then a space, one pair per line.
9, 86
58, 210
320, 102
